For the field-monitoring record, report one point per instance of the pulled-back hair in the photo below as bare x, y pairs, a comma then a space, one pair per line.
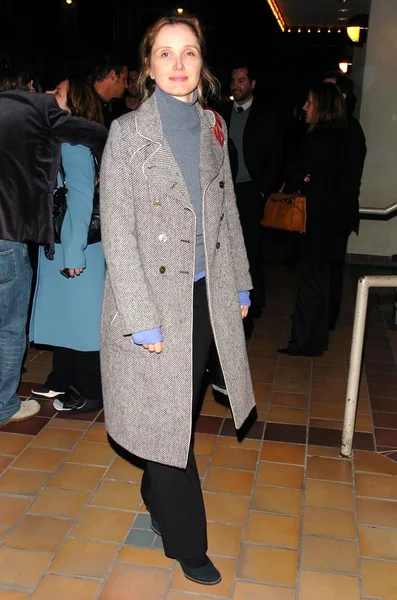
208, 84
82, 99
329, 109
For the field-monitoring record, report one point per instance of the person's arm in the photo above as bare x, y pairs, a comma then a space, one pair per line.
79, 177
74, 130
120, 244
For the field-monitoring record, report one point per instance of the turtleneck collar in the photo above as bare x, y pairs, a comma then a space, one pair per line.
176, 114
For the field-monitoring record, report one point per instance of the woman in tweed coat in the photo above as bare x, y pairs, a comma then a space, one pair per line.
177, 279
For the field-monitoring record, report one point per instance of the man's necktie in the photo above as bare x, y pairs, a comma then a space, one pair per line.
240, 109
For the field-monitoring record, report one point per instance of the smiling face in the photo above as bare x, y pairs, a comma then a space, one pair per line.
241, 85
176, 62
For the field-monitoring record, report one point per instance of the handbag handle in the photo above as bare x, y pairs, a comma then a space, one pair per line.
281, 190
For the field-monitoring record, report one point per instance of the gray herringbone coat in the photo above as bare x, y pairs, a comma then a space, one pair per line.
148, 231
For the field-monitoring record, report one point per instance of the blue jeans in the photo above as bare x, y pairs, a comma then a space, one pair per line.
15, 286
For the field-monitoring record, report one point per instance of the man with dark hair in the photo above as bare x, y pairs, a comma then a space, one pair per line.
354, 153
109, 76
259, 140
32, 127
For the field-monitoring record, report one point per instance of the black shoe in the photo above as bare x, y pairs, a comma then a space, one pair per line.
206, 575
74, 402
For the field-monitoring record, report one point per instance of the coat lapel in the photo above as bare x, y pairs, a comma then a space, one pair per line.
158, 163
212, 154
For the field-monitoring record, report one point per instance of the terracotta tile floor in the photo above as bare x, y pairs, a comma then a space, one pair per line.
287, 518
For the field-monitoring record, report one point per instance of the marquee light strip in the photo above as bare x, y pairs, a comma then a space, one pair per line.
277, 14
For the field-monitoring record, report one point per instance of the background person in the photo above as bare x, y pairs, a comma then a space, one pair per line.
318, 173
66, 311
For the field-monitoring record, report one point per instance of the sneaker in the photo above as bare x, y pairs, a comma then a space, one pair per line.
29, 408
73, 401
45, 392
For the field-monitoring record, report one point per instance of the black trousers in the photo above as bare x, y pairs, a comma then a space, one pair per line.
309, 332
80, 369
174, 495
250, 206
337, 256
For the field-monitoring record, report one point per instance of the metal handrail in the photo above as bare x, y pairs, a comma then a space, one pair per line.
360, 314
373, 210
356, 352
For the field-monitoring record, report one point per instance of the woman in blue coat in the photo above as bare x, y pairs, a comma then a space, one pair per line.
68, 295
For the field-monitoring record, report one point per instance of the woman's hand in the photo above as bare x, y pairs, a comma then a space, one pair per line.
244, 310
157, 347
73, 272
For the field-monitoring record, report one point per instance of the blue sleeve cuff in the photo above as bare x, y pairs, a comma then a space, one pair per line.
150, 336
244, 298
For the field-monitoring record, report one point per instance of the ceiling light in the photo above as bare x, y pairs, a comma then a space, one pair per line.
342, 18
343, 10
345, 64
357, 29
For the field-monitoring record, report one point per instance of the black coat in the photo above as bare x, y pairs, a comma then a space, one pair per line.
262, 145
32, 126
322, 161
355, 150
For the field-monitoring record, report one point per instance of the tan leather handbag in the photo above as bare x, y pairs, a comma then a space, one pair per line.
285, 211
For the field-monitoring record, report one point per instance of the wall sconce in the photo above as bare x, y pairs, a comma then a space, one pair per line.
345, 64
357, 29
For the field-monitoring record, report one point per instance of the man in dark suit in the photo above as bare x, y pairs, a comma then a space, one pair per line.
258, 140
354, 152
32, 127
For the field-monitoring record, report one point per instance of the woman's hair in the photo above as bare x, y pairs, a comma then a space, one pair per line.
83, 100
208, 84
14, 76
329, 108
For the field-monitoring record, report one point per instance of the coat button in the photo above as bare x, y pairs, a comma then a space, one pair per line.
221, 184
218, 245
163, 237
162, 270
